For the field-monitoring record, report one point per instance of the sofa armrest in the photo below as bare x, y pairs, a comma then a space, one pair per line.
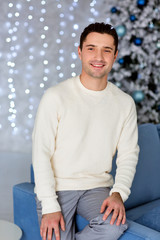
25, 214
32, 174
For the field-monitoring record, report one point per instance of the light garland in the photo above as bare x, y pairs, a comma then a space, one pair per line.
11, 63
39, 50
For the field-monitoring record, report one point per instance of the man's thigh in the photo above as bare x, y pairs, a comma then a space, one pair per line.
68, 202
90, 202
89, 207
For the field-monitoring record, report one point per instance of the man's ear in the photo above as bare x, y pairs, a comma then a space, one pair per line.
115, 55
79, 52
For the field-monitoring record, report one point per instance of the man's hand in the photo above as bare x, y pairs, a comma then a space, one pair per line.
114, 203
50, 222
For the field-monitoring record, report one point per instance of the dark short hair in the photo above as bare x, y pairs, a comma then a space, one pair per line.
99, 28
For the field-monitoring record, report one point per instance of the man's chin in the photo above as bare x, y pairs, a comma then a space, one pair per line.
98, 76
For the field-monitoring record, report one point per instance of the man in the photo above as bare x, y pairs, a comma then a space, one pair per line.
80, 124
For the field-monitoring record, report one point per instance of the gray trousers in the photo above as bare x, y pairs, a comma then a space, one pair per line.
87, 204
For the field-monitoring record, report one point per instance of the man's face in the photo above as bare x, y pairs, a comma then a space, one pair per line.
97, 55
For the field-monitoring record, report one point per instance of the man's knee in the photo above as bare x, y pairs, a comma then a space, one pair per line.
100, 229
106, 228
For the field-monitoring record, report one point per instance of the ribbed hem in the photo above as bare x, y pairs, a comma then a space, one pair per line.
50, 205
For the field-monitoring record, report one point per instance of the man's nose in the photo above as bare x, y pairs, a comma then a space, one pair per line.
99, 55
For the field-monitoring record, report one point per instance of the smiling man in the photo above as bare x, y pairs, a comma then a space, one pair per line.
80, 125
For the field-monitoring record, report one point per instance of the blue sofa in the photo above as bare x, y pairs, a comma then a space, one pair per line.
142, 207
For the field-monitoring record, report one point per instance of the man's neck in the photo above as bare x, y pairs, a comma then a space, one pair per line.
95, 84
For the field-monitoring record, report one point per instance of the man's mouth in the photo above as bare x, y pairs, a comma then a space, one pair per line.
97, 65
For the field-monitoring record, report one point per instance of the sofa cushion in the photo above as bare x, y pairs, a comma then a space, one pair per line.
145, 187
151, 219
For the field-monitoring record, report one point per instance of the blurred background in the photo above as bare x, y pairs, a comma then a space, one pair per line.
38, 49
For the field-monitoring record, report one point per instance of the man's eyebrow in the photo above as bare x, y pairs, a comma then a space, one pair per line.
108, 48
92, 45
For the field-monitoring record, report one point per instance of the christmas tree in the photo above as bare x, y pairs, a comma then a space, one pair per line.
137, 70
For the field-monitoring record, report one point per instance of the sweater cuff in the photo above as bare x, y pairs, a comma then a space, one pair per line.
124, 196
50, 205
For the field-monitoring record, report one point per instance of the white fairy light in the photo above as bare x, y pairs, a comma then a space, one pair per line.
61, 33
61, 75
45, 45
13, 125
14, 54
31, 57
45, 62
43, 11
30, 17
17, 23
30, 116
15, 29
42, 85
31, 8
58, 68
42, 53
46, 70
16, 14
59, 6
27, 91
41, 19
43, 2
73, 74
45, 78
74, 55
73, 35
10, 5
76, 26
13, 90
19, 6
10, 80
62, 24
73, 65
8, 40
76, 44
10, 15
46, 28
30, 107
61, 51
61, 59
10, 31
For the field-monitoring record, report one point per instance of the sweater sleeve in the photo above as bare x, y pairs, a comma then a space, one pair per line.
127, 156
43, 139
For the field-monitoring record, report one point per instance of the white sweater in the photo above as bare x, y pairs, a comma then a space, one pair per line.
76, 134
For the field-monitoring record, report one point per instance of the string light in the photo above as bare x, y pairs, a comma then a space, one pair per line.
40, 50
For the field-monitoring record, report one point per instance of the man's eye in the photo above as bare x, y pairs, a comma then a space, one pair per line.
108, 51
90, 49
